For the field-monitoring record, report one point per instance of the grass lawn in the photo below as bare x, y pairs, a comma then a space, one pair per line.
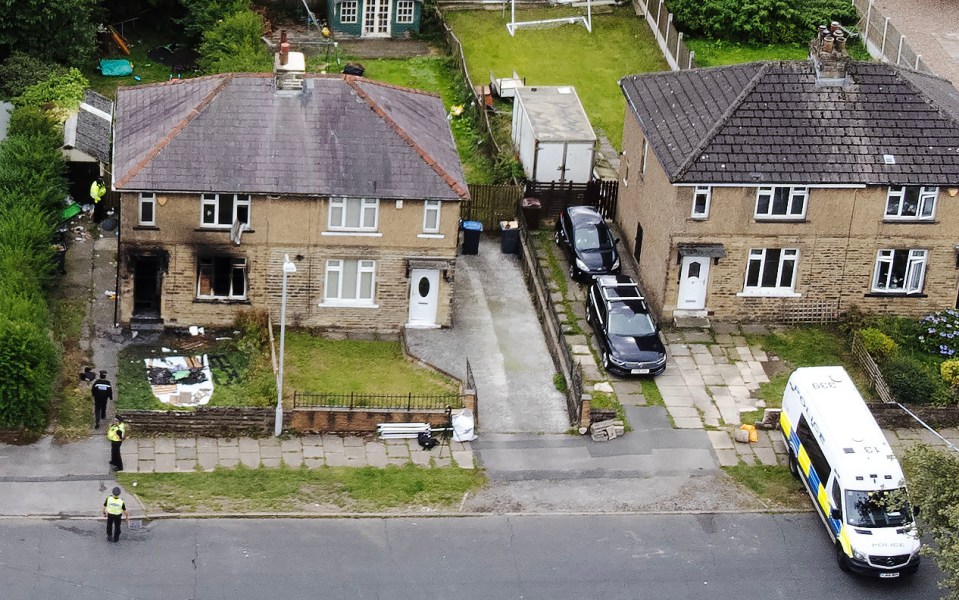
439, 74
71, 407
327, 489
557, 272
141, 41
773, 485
804, 347
319, 365
621, 44
250, 384
714, 53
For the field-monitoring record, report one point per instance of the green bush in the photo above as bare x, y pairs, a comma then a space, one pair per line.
62, 30
29, 360
949, 369
912, 382
21, 70
64, 90
879, 345
203, 15
759, 21
234, 46
32, 122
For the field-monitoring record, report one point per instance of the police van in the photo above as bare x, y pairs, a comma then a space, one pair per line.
856, 484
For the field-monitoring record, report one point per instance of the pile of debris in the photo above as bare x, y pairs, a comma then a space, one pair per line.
603, 431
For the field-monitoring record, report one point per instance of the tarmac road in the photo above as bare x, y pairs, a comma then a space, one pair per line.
743, 557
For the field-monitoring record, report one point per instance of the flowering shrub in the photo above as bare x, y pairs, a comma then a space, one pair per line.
941, 332
949, 369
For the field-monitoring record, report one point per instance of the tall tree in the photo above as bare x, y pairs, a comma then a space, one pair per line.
63, 30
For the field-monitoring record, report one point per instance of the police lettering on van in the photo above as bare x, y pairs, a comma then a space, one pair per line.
838, 451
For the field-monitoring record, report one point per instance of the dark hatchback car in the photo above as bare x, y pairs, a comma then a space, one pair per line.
628, 339
589, 245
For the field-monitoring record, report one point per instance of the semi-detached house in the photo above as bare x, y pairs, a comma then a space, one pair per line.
221, 177
792, 190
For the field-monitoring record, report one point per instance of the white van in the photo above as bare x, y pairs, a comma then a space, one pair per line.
842, 457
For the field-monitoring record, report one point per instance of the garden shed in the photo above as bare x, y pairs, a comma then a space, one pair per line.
374, 18
552, 134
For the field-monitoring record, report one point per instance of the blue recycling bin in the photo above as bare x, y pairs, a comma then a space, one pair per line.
471, 236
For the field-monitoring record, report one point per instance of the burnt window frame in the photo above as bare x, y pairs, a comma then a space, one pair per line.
235, 263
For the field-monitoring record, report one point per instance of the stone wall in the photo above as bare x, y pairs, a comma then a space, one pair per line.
890, 416
204, 421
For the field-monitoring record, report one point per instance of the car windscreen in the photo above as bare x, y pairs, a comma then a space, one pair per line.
877, 508
629, 323
592, 237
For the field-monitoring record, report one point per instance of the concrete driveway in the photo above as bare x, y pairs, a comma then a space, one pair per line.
497, 329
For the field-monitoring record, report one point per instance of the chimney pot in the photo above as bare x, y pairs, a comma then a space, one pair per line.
284, 52
841, 44
827, 43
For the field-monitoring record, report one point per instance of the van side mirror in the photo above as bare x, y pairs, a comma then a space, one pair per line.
836, 514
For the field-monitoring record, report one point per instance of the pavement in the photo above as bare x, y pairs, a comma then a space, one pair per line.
931, 28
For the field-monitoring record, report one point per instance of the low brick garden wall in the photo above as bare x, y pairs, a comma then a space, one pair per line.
890, 416
204, 421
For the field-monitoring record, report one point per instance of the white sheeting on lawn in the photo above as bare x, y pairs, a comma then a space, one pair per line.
182, 394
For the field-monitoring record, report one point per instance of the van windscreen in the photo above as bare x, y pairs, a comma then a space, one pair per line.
877, 508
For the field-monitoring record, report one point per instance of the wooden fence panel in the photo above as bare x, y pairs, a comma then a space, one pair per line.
491, 204
557, 196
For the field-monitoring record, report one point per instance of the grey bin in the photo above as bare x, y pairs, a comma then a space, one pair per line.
509, 242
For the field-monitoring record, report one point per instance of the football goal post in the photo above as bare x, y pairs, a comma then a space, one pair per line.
586, 21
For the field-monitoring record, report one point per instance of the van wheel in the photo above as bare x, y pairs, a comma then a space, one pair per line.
842, 560
793, 465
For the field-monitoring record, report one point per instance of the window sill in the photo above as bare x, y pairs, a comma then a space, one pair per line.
893, 295
431, 236
353, 233
221, 301
221, 229
769, 294
346, 305
779, 219
146, 228
699, 218
909, 220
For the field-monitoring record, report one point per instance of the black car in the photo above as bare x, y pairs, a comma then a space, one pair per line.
590, 246
627, 336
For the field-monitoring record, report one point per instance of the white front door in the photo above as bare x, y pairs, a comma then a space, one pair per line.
424, 294
377, 18
692, 283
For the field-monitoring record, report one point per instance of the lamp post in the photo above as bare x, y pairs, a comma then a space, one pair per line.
288, 268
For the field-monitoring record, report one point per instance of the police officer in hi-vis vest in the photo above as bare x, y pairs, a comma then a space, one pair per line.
116, 434
113, 509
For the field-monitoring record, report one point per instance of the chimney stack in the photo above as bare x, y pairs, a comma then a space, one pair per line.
289, 68
827, 51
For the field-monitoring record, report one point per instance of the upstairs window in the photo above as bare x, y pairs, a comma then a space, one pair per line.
404, 11
353, 214
900, 271
221, 277
701, 198
911, 203
222, 210
781, 202
771, 271
431, 216
348, 11
146, 209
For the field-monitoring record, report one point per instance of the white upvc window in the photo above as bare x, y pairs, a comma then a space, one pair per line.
431, 216
147, 209
911, 203
223, 210
771, 271
624, 169
900, 271
701, 199
348, 11
354, 214
221, 277
349, 282
404, 11
781, 202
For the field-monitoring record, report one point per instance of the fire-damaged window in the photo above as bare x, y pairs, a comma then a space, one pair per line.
899, 271
911, 203
222, 277
771, 271
353, 214
222, 210
349, 282
781, 202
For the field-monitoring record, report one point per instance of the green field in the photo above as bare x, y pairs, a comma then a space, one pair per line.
620, 44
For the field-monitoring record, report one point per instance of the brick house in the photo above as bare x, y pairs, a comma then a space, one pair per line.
788, 190
220, 177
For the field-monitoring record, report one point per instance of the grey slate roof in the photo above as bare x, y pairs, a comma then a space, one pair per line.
93, 131
768, 123
233, 133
